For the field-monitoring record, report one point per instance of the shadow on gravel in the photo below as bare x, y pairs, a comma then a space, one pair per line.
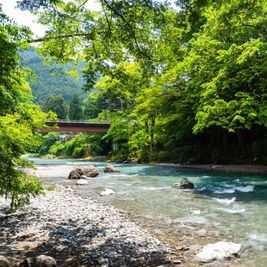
72, 245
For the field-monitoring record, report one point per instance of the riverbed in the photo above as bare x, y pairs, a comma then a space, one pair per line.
224, 207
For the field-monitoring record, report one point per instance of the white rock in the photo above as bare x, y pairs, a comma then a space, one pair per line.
81, 182
107, 192
219, 251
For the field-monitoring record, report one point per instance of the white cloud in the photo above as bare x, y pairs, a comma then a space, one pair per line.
24, 18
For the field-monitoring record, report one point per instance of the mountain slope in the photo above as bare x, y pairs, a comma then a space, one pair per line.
51, 79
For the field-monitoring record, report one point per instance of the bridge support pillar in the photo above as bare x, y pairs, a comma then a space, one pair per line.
115, 145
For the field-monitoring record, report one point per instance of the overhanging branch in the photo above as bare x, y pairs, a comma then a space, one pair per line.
45, 38
128, 26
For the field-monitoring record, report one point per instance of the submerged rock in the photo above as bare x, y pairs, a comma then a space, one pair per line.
40, 261
107, 192
79, 173
220, 251
110, 168
184, 184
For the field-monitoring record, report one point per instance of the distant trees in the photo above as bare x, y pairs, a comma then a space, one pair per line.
57, 104
75, 110
52, 78
63, 109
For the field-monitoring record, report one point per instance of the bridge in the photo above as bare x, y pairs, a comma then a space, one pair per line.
76, 127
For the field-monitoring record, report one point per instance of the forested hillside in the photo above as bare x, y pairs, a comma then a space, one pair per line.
52, 79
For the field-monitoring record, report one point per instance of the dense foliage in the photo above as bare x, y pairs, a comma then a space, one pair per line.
76, 110
185, 84
51, 79
82, 145
19, 118
56, 104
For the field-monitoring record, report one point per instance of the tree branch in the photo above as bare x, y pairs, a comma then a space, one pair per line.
128, 26
81, 5
45, 38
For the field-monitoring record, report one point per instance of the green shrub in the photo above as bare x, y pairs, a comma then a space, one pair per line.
57, 148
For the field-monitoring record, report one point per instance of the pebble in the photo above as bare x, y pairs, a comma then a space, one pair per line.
66, 224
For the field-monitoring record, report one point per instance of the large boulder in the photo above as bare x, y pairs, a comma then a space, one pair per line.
80, 173
185, 184
39, 261
110, 168
90, 171
76, 174
4, 262
220, 251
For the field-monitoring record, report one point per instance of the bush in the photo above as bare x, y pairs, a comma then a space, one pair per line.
57, 148
48, 140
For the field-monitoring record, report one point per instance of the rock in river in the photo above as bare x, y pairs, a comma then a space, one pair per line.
184, 184
219, 251
107, 192
110, 168
78, 173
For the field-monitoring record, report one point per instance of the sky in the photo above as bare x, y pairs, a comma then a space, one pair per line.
25, 18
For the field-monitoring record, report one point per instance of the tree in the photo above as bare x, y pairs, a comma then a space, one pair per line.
202, 82
57, 104
222, 77
76, 110
19, 118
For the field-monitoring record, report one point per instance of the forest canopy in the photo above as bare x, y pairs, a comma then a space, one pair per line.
181, 81
184, 82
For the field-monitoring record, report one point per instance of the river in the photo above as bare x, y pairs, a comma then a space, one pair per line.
223, 207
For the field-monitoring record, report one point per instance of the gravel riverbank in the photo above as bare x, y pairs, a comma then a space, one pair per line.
80, 230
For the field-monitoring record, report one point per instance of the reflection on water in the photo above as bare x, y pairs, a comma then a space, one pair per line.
223, 207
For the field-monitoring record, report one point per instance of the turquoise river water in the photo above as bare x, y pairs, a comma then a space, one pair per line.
223, 207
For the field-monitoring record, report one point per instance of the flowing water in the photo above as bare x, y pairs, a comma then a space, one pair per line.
223, 207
